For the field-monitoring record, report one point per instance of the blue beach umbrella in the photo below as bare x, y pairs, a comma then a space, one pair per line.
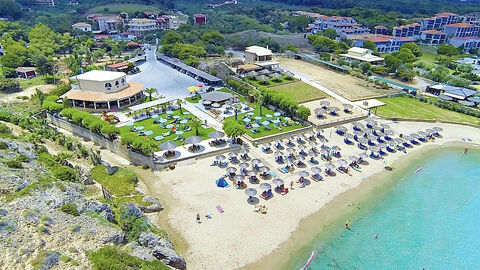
179, 132
269, 116
265, 123
184, 121
250, 114
139, 128
176, 116
129, 124
148, 132
247, 120
169, 112
169, 125
277, 114
256, 125
287, 118
186, 113
155, 116
276, 121
159, 138
162, 120
258, 118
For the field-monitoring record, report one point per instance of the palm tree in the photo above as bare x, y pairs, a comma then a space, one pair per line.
196, 124
150, 91
259, 98
179, 103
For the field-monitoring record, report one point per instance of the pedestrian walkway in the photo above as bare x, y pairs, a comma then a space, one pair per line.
211, 122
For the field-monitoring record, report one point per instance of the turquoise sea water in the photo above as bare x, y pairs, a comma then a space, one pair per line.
427, 220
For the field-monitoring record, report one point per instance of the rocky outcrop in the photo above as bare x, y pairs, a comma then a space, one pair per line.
155, 207
170, 256
100, 208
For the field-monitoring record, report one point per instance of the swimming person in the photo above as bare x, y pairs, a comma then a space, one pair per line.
465, 151
376, 236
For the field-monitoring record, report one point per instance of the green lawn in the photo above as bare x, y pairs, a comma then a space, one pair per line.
411, 108
118, 8
264, 132
299, 92
158, 131
194, 99
271, 82
25, 83
120, 184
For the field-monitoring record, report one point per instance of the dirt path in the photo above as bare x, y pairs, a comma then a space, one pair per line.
345, 85
13, 97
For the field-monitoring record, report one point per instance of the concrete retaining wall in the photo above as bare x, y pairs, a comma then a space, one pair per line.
114, 146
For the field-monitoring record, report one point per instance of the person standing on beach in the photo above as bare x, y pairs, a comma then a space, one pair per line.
198, 218
347, 224
291, 185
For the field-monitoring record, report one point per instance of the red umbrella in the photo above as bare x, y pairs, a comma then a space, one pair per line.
200, 86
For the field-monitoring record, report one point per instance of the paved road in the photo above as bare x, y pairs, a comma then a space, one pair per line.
168, 81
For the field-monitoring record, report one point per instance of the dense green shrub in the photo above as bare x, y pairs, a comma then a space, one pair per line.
14, 164
239, 87
303, 112
92, 122
70, 208
113, 258
50, 104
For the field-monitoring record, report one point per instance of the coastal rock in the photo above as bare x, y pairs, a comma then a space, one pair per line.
23, 148
155, 207
3, 212
87, 178
132, 210
150, 240
170, 256
50, 260
140, 252
31, 218
7, 227
109, 168
116, 239
100, 208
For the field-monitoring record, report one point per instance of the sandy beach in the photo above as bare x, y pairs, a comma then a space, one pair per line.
240, 237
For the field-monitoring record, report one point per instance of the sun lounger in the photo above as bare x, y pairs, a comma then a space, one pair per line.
176, 138
222, 164
284, 192
166, 134
312, 162
219, 208
340, 170
272, 174
316, 177
283, 170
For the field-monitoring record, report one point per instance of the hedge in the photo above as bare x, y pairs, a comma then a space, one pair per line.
138, 143
50, 104
92, 122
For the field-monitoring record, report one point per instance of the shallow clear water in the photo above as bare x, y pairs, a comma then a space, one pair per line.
427, 220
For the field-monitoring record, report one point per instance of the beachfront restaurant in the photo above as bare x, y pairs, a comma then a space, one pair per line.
99, 90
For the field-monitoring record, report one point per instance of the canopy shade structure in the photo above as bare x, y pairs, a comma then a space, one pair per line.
216, 134
193, 139
150, 104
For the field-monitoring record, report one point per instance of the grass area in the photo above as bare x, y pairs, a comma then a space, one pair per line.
262, 130
299, 91
120, 184
194, 99
411, 108
427, 58
271, 82
147, 99
118, 8
25, 83
149, 124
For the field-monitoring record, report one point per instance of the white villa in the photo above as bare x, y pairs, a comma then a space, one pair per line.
85, 27
362, 55
260, 56
99, 90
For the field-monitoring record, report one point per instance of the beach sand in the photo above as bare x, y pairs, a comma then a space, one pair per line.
240, 237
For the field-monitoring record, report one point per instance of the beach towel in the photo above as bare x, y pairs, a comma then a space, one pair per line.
220, 209
209, 216
272, 174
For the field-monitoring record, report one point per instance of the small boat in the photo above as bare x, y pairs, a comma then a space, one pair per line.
418, 170
309, 261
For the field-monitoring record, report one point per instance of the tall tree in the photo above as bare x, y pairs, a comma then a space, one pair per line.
150, 91
43, 40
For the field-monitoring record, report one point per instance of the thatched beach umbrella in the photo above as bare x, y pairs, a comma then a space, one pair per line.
324, 103
220, 157
277, 182
265, 186
303, 173
264, 169
231, 169
168, 145
216, 134
193, 139
239, 178
250, 192
316, 169
244, 165
256, 161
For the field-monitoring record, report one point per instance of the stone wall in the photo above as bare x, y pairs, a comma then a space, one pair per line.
114, 146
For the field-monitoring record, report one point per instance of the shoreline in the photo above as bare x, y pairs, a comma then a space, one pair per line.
336, 211
227, 240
